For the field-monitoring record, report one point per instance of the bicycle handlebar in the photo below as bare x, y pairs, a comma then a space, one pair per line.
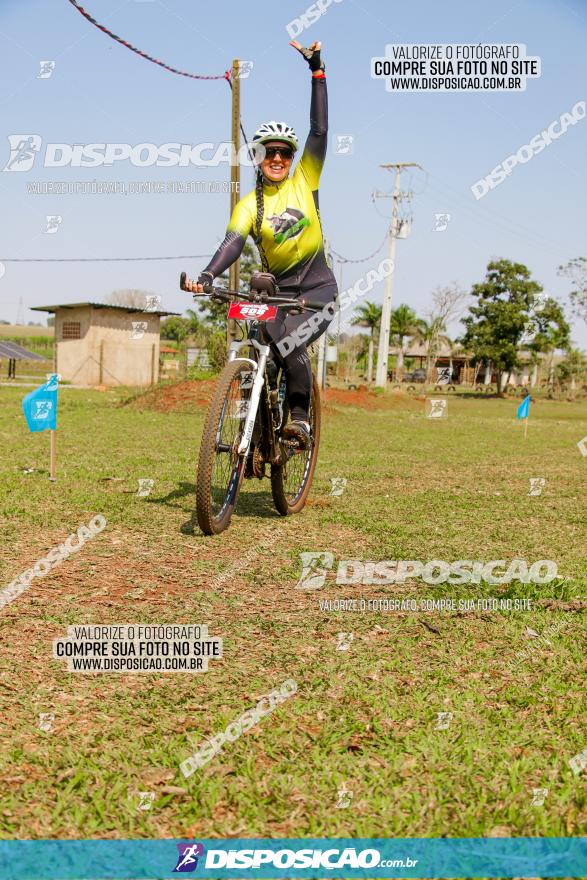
222, 294
312, 304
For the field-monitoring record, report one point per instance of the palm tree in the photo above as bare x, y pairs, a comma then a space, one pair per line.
572, 368
431, 335
556, 337
368, 315
404, 323
195, 321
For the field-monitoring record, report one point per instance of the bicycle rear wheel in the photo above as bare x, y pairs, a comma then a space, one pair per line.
292, 480
220, 468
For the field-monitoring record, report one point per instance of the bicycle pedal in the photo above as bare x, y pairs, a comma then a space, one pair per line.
295, 440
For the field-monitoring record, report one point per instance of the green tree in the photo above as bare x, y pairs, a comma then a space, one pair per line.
175, 328
368, 315
495, 323
573, 368
576, 271
217, 349
431, 334
552, 333
194, 321
404, 323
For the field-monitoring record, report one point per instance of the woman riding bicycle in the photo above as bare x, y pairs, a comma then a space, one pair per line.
282, 215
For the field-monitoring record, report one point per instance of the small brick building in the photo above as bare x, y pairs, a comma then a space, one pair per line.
102, 344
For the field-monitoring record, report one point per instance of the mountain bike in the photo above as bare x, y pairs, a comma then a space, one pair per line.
243, 431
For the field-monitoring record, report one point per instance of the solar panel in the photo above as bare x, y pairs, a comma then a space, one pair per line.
16, 352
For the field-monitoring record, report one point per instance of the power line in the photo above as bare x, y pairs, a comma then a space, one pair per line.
341, 259
228, 75
97, 259
225, 75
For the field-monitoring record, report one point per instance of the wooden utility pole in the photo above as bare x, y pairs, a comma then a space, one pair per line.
338, 360
234, 271
383, 353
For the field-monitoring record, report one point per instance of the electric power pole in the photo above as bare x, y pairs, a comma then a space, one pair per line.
383, 353
234, 271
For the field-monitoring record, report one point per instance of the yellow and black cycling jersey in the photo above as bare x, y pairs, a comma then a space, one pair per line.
291, 234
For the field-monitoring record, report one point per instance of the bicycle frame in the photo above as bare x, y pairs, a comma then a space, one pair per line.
263, 349
258, 384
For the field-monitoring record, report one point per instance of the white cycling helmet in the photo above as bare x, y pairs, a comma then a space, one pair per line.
276, 131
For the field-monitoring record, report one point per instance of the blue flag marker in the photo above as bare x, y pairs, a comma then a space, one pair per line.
40, 406
524, 408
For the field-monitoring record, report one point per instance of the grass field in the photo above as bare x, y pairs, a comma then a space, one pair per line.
36, 339
363, 719
23, 331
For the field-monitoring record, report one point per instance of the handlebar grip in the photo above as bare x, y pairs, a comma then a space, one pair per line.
312, 304
208, 288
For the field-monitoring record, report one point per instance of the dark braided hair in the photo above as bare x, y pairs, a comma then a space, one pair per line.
259, 219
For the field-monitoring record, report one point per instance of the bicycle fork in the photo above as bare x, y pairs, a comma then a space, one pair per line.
258, 382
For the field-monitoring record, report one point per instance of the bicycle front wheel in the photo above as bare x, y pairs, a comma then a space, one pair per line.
291, 481
220, 468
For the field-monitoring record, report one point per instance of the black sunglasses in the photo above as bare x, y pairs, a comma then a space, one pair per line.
285, 153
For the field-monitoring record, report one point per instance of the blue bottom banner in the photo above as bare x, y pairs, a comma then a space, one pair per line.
304, 858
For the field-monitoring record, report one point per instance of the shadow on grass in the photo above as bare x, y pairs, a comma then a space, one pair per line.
183, 491
250, 504
257, 503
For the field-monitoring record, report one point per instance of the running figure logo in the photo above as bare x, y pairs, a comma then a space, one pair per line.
344, 145
288, 224
42, 409
187, 860
152, 303
314, 568
23, 149
47, 68
441, 222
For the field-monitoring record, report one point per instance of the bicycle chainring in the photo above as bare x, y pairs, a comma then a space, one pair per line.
258, 463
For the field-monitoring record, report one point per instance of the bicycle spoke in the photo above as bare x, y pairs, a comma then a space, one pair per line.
297, 466
226, 468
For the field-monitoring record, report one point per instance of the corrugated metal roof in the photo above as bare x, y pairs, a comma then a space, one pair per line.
95, 305
15, 352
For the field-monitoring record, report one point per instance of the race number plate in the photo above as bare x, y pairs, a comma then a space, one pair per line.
244, 311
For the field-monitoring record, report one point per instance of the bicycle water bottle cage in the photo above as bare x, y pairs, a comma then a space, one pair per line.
264, 282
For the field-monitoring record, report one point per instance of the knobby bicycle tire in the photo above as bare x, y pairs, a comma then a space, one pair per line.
286, 502
212, 523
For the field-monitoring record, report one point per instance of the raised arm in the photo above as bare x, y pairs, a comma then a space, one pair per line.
314, 153
231, 247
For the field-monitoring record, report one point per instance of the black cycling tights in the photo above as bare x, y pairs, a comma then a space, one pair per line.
295, 360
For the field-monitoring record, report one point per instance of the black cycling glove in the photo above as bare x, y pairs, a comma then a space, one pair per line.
313, 58
205, 278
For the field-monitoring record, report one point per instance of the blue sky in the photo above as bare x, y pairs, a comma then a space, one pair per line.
100, 92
